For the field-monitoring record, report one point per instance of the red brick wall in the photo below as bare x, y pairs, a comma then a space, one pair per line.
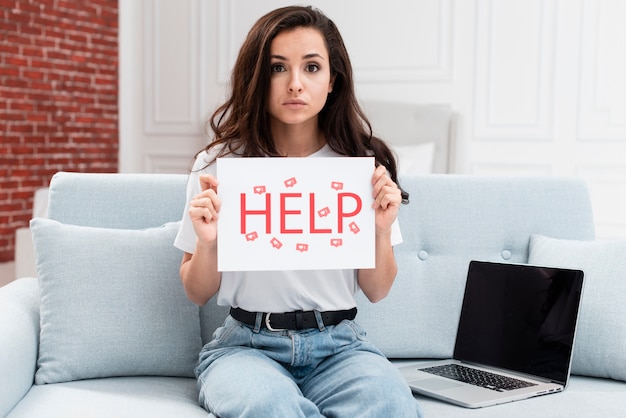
58, 99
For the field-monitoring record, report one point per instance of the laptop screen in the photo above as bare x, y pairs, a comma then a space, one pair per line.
519, 317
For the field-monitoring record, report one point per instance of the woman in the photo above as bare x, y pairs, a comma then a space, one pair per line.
292, 96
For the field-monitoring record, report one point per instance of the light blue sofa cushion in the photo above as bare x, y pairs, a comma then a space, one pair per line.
600, 348
450, 220
112, 200
115, 397
112, 303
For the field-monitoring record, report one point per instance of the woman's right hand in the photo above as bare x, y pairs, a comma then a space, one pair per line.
204, 209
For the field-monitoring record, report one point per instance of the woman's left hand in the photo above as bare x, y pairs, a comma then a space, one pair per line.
387, 198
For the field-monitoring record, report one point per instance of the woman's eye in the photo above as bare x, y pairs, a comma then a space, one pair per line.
312, 68
277, 68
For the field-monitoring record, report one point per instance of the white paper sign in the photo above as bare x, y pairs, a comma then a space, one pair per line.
295, 213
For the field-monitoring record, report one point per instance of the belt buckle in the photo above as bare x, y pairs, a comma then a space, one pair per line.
268, 324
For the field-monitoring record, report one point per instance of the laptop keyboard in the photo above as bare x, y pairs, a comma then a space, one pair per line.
477, 377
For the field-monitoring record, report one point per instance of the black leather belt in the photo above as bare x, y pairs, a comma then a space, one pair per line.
292, 320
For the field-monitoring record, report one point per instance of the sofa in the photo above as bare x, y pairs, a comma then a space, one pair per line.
107, 331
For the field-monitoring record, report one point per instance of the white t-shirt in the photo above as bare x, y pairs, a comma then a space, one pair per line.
275, 291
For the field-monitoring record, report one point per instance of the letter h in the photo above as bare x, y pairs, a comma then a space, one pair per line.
267, 212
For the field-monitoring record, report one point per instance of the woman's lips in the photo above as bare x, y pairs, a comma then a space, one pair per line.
295, 103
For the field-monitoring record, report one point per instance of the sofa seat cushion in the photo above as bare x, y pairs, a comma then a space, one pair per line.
112, 303
134, 397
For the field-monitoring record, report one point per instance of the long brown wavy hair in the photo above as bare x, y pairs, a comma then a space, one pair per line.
241, 124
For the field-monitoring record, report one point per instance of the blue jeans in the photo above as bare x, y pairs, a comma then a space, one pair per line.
332, 371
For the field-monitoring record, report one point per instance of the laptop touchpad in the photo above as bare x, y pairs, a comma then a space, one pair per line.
438, 384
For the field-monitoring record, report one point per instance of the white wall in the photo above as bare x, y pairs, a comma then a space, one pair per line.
538, 86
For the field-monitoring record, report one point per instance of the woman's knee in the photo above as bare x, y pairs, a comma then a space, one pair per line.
247, 384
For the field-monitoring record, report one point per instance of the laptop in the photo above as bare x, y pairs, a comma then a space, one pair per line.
514, 340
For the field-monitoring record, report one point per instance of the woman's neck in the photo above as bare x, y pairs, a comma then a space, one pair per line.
299, 140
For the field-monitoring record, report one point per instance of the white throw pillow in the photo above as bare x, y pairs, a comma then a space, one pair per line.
415, 159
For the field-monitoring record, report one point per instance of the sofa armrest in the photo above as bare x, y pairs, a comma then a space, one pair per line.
19, 336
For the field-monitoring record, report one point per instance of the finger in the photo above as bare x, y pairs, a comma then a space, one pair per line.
379, 180
208, 181
384, 182
203, 214
202, 202
209, 201
378, 173
207, 197
389, 196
